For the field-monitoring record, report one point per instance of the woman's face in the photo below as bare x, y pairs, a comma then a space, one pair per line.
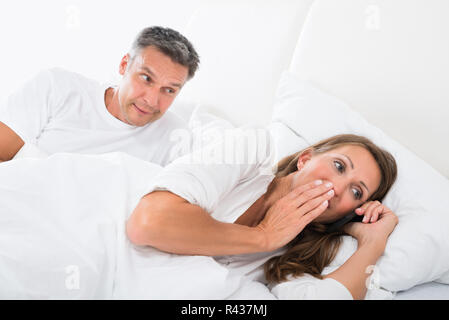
353, 172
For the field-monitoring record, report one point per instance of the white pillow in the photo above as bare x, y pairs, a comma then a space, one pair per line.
418, 249
203, 127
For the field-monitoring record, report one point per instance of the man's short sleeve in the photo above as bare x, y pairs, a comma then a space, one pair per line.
27, 111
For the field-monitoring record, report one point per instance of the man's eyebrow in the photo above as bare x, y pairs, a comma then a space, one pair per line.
352, 166
174, 84
148, 70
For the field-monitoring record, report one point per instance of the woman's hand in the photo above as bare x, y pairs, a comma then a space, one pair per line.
292, 213
378, 223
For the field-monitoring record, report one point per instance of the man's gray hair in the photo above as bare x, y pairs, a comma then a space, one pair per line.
169, 42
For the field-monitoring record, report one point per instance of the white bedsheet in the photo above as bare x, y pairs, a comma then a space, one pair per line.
62, 235
425, 291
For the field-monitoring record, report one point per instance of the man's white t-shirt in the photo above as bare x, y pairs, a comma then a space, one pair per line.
62, 111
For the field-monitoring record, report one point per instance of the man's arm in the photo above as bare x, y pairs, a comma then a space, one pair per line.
10, 143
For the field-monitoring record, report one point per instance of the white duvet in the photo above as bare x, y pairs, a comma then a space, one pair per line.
62, 235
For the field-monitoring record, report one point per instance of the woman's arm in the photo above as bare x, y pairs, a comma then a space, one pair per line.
170, 223
372, 239
10, 142
352, 274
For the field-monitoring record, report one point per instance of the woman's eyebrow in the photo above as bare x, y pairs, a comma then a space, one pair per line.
352, 166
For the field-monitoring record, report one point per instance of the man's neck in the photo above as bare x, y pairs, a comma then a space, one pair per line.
112, 104
108, 98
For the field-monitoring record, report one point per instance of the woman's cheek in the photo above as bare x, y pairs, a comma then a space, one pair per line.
346, 206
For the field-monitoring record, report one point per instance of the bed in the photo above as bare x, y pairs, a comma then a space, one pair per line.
379, 63
366, 64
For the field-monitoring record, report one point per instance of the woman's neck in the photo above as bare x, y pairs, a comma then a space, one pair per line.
278, 188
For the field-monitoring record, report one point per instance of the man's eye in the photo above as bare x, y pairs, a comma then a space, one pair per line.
169, 90
146, 78
340, 167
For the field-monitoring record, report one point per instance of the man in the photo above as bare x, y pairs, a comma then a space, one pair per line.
61, 111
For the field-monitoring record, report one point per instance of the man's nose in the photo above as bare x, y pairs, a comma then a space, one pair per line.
152, 98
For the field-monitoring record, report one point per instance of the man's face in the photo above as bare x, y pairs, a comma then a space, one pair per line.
150, 83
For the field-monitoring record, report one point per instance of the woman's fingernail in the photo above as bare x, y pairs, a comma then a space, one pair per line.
318, 182
324, 204
330, 192
329, 184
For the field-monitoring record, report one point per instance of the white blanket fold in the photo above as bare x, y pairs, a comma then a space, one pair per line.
62, 235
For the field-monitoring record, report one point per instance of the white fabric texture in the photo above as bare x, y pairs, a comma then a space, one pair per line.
418, 249
62, 235
308, 288
62, 111
425, 291
30, 150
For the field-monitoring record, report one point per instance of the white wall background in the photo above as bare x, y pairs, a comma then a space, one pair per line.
88, 37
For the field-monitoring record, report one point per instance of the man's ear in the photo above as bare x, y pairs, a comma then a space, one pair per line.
304, 156
124, 64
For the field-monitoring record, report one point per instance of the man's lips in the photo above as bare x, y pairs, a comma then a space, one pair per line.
140, 110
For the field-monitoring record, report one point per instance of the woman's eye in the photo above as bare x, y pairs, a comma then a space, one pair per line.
169, 90
357, 194
340, 167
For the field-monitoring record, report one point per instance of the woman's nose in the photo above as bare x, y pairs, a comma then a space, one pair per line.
337, 186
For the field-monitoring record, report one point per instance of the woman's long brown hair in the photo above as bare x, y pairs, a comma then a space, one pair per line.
315, 248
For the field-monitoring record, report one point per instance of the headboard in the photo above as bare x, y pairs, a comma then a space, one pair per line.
386, 59
389, 61
244, 46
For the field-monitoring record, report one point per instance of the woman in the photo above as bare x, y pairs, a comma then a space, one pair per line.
202, 211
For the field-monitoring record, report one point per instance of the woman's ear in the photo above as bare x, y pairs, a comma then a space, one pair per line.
305, 156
